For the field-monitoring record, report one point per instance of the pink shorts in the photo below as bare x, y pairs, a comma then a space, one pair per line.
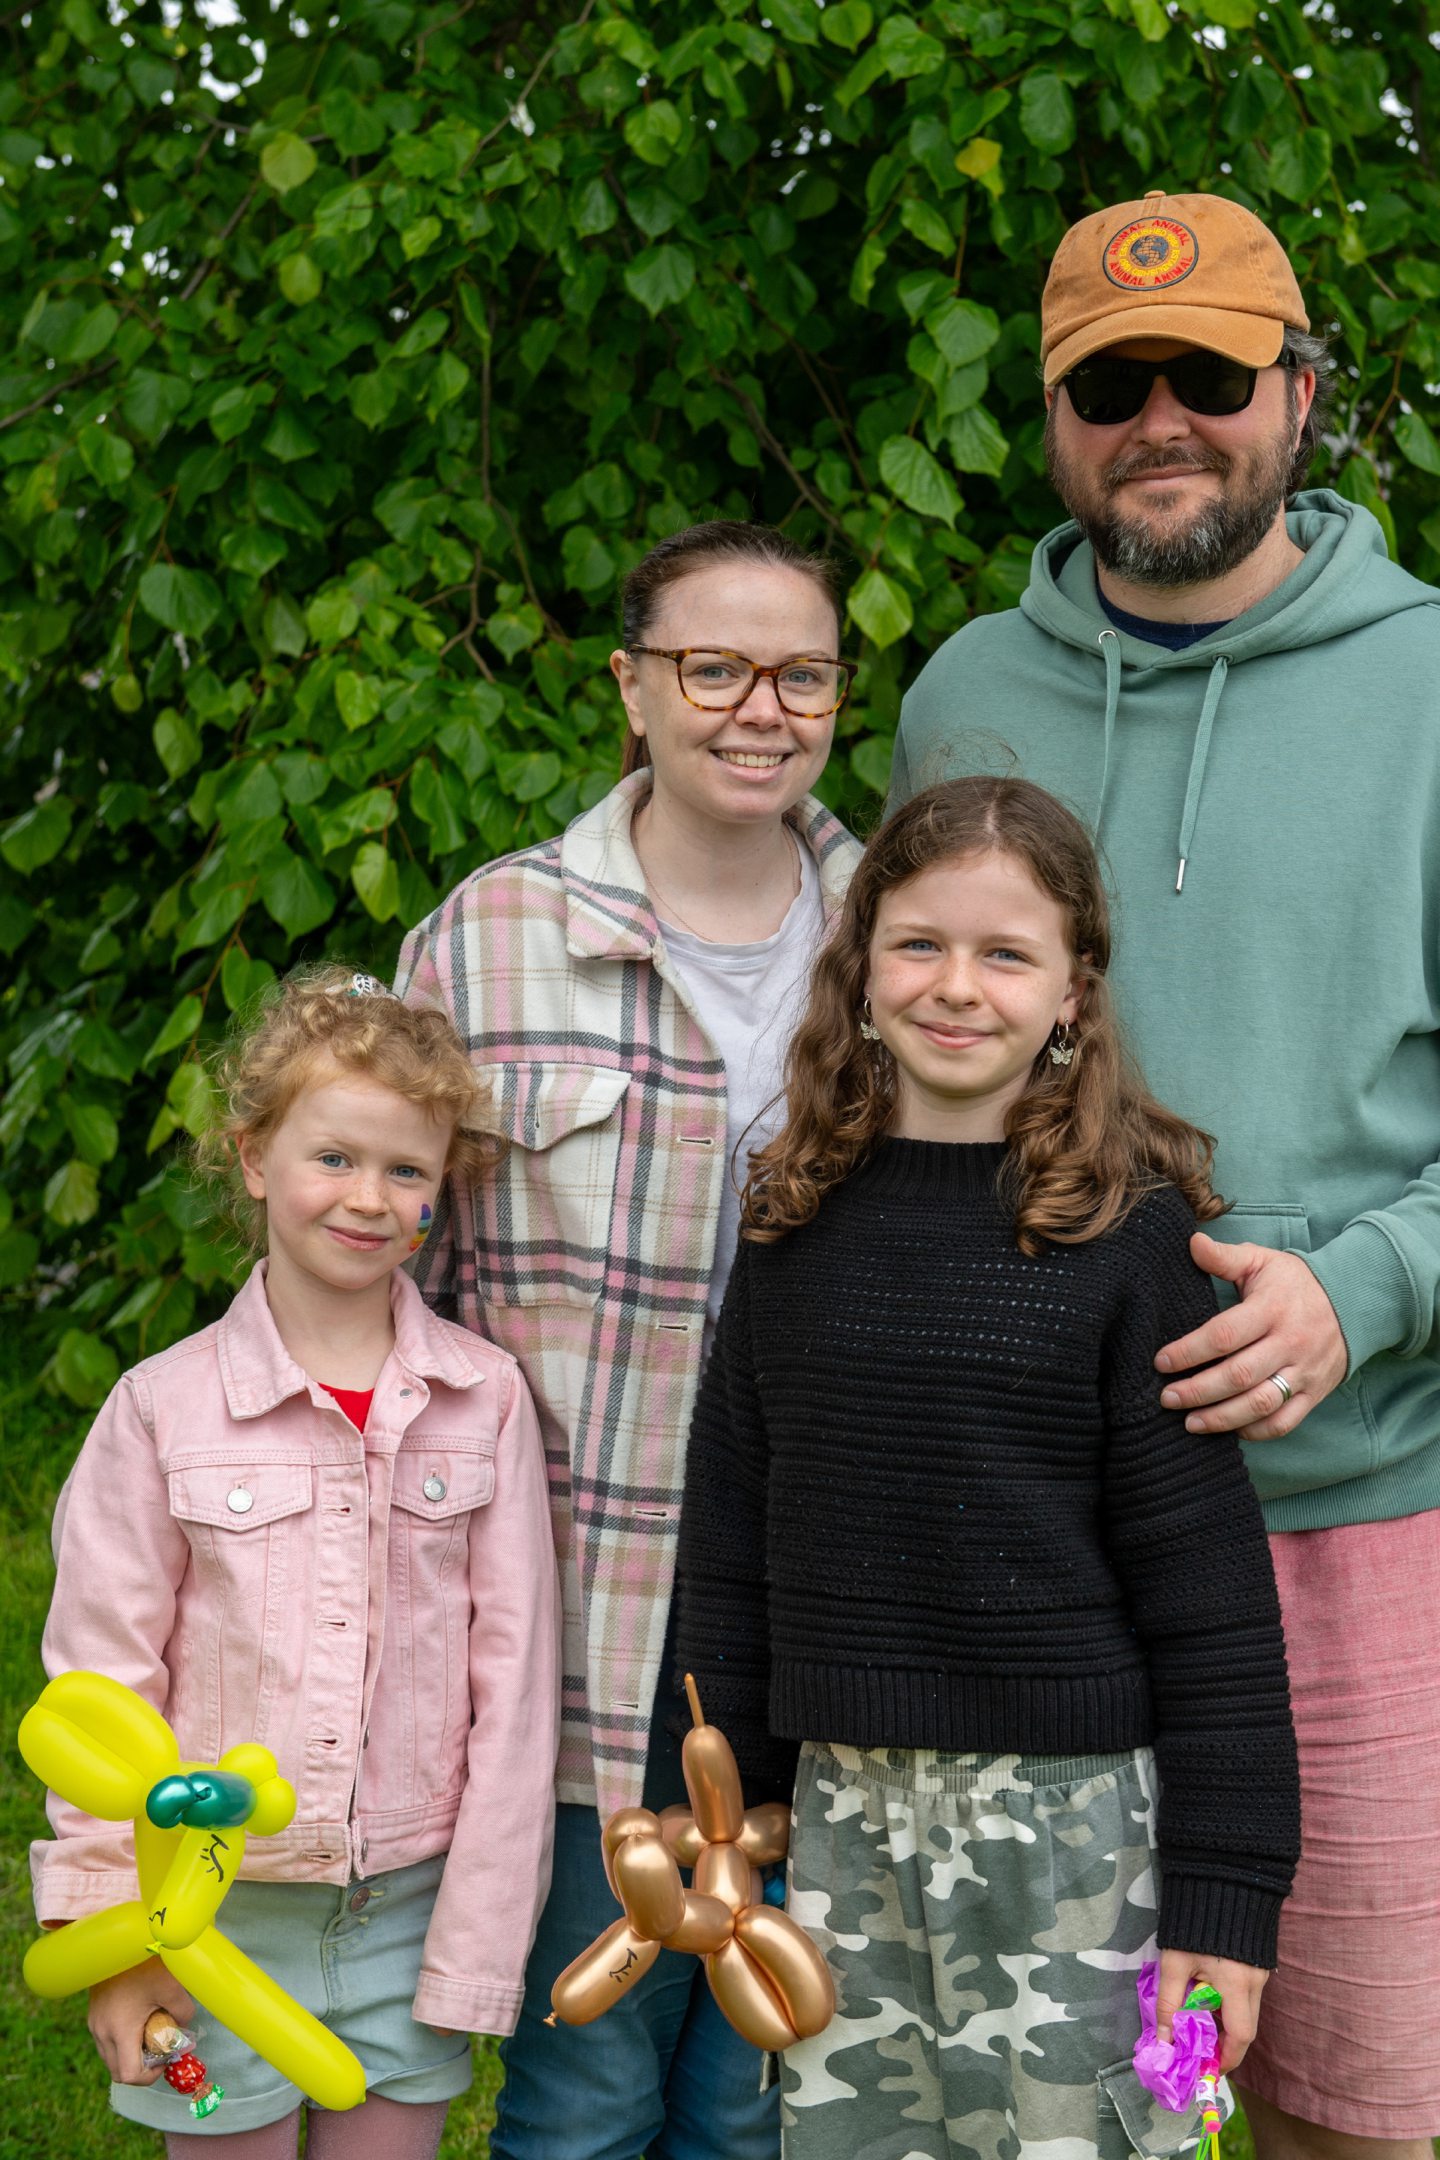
1350, 2023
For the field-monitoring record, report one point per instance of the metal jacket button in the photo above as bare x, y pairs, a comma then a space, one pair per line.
434, 1488
240, 1500
360, 1900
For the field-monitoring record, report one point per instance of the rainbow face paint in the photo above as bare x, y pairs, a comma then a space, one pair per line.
422, 1228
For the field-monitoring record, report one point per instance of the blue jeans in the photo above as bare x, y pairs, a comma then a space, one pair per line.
661, 2074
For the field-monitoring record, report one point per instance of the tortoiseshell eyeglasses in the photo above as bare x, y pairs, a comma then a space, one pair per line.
716, 680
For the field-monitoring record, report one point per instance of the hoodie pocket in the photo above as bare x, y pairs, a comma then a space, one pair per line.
1339, 1438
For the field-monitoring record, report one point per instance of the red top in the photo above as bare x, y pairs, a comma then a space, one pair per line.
354, 1402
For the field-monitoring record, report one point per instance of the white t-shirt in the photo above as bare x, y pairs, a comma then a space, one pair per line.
749, 998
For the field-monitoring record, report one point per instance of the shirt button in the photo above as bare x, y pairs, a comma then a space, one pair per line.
240, 1500
434, 1488
360, 1900
406, 1391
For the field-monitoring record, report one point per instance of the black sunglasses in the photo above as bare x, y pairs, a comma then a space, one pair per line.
1106, 389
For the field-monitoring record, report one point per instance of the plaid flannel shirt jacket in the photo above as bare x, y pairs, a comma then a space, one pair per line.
587, 1253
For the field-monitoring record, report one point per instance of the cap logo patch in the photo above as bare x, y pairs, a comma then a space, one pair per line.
1150, 253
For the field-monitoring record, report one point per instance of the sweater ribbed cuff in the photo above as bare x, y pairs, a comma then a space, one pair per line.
1219, 1919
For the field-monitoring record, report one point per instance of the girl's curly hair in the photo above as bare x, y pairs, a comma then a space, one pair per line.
1086, 1139
316, 1021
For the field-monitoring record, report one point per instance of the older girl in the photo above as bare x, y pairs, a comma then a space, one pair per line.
939, 1529
628, 992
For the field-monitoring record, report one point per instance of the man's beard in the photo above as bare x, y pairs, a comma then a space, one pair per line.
1210, 543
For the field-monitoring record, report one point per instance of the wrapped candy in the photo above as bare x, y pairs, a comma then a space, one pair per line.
168, 2047
1185, 2069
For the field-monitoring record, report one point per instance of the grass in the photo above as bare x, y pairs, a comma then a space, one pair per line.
53, 2102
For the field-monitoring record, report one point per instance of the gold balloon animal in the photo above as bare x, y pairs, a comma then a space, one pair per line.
765, 1973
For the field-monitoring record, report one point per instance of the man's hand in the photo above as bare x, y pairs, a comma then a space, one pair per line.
118, 2010
1238, 1987
1284, 1323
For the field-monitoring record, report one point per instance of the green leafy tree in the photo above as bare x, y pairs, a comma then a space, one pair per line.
354, 353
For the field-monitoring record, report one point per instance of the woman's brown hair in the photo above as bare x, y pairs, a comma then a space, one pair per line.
1086, 1139
698, 547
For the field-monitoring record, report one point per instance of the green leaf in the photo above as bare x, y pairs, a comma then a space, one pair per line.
872, 760
1416, 442
242, 979
190, 1098
847, 23
36, 837
153, 402
1359, 482
300, 279
425, 331
979, 158
653, 130
177, 743
963, 330
94, 333
528, 775
975, 442
85, 1368
179, 1028
296, 893
1047, 113
1150, 19
19, 1253
880, 608
72, 1194
288, 438
358, 697
183, 600
286, 162
514, 630
332, 617
1300, 163
284, 625
909, 471
430, 799
108, 455
92, 1128
373, 876
922, 219
661, 277
418, 238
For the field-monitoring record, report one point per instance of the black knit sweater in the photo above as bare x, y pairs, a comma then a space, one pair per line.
932, 1500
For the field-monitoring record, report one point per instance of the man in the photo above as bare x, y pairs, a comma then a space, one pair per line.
1244, 699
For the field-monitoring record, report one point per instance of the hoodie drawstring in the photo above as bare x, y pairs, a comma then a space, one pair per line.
1109, 643
1214, 690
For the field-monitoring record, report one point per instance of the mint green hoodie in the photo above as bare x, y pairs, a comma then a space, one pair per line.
1268, 806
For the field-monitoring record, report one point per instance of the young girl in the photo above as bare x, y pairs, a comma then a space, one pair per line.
938, 1528
322, 1523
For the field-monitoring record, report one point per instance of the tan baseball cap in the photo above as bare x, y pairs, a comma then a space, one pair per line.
1193, 267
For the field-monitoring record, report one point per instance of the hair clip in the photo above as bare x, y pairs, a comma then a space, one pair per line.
366, 986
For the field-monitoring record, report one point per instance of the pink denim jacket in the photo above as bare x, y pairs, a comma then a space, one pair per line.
383, 1613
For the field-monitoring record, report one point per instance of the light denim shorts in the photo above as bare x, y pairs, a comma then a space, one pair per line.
352, 1956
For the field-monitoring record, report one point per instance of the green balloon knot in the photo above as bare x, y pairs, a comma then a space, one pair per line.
201, 1800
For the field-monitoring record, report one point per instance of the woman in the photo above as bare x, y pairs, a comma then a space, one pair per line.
628, 991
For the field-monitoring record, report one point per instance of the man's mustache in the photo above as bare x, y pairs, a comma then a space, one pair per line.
1140, 462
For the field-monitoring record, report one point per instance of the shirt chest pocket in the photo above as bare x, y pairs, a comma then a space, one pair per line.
547, 1210
433, 1493
241, 1499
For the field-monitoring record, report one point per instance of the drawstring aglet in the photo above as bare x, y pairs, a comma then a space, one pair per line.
1180, 879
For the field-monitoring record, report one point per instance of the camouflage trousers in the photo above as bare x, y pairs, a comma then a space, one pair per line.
984, 1917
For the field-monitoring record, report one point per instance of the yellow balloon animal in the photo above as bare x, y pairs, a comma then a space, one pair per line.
105, 1749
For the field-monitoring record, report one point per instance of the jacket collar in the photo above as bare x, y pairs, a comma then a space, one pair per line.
258, 1372
608, 911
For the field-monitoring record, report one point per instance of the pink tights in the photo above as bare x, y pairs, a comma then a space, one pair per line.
378, 2129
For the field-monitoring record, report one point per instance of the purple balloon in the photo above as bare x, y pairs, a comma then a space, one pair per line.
1171, 2069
